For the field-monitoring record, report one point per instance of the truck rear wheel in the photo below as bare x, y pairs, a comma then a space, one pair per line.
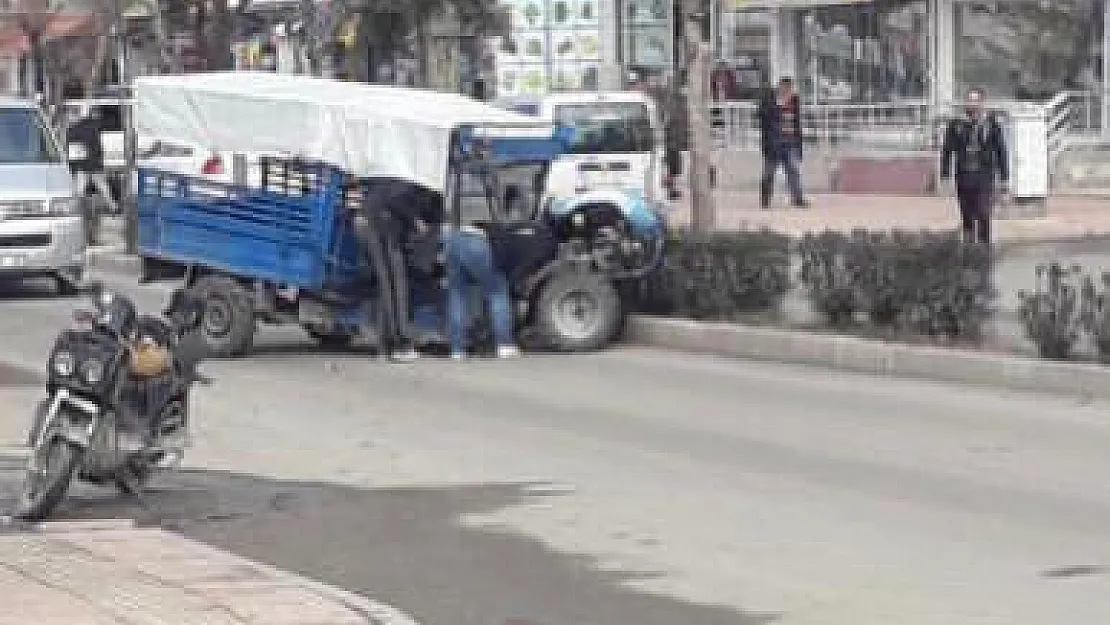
578, 312
227, 326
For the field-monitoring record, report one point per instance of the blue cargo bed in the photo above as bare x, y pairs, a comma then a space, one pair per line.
303, 239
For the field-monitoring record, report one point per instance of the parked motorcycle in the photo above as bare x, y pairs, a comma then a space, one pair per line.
117, 407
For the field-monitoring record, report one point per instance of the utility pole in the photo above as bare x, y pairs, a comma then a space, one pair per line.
128, 201
703, 215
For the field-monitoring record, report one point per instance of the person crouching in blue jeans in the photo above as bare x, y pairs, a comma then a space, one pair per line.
470, 262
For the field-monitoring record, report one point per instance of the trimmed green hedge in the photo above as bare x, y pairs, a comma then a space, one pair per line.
917, 283
1067, 305
720, 276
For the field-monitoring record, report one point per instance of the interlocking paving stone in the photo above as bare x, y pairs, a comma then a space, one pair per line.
106, 573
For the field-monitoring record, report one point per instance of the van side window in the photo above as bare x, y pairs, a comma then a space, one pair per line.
24, 138
608, 128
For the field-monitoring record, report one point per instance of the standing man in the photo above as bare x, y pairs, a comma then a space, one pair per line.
976, 142
780, 129
86, 162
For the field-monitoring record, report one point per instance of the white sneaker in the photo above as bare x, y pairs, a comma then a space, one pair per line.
508, 351
458, 356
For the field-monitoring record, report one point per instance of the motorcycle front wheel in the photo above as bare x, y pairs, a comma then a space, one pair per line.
47, 479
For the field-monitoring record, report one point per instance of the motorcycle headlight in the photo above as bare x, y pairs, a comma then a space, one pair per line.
63, 364
92, 371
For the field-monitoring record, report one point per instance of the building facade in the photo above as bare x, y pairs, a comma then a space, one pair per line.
559, 45
840, 51
865, 51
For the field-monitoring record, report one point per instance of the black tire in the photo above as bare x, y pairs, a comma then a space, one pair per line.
44, 490
228, 325
578, 312
330, 340
37, 420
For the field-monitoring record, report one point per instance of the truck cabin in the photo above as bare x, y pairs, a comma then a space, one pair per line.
499, 174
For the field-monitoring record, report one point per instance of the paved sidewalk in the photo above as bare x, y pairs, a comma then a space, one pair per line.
111, 573
1067, 217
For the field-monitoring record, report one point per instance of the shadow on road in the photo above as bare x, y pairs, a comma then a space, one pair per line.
404, 546
12, 376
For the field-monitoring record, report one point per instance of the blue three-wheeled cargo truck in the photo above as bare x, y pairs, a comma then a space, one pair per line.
291, 247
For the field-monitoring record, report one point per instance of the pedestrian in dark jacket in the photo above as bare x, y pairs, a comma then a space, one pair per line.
780, 132
399, 214
975, 143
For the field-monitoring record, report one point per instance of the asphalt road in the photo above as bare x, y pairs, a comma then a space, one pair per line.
631, 486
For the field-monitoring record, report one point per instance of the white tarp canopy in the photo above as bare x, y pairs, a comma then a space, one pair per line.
367, 130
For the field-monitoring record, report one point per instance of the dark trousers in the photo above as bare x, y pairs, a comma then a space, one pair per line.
386, 258
786, 157
976, 198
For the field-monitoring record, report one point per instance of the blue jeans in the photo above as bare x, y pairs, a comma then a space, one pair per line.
470, 263
787, 157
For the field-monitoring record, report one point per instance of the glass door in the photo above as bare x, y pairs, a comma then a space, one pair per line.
865, 53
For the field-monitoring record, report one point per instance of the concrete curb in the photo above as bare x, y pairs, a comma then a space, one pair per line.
837, 352
873, 357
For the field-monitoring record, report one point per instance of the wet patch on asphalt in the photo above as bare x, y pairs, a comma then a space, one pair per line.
405, 546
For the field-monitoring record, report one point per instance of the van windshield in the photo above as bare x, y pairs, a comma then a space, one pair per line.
508, 193
607, 127
24, 138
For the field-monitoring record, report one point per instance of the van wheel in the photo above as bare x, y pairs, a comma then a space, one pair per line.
227, 326
578, 312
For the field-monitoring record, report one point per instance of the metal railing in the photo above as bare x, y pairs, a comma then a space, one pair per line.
1061, 121
1072, 117
1084, 113
904, 126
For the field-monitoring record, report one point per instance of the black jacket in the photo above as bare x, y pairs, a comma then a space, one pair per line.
977, 149
86, 133
397, 206
521, 248
770, 119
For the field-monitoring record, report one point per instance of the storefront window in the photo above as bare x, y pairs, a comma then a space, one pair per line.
864, 54
1030, 50
744, 58
648, 35
555, 45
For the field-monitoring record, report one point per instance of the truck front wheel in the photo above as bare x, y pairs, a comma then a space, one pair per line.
578, 312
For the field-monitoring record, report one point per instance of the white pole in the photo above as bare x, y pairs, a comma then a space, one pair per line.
1105, 59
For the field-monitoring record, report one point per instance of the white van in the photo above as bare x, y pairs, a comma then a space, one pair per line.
41, 228
619, 144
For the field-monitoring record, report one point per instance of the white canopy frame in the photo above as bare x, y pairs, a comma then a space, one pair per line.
365, 130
